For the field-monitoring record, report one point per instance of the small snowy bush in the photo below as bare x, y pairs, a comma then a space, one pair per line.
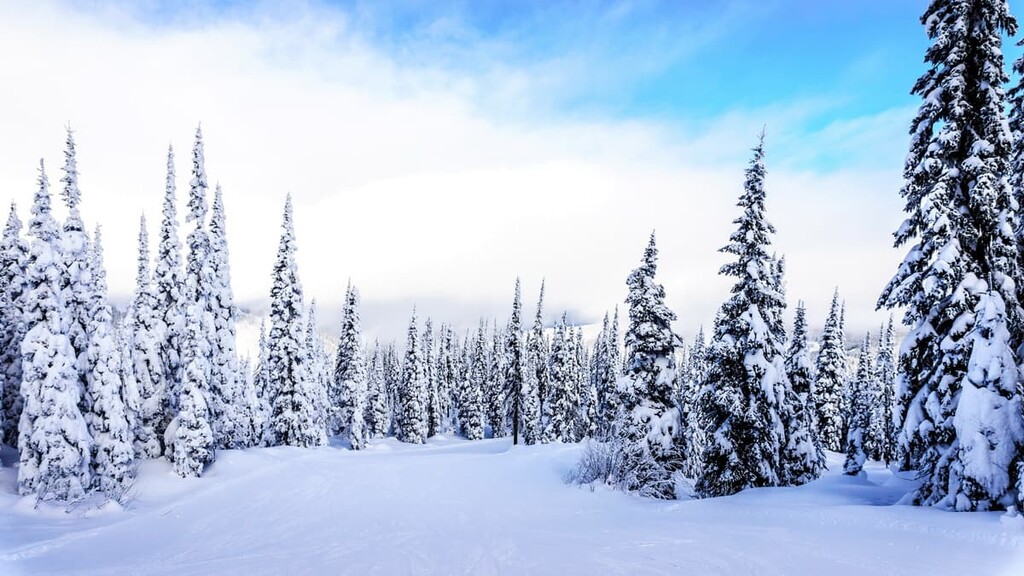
600, 461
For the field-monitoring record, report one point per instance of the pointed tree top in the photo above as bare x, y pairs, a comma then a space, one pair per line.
13, 227
71, 194
198, 185
42, 225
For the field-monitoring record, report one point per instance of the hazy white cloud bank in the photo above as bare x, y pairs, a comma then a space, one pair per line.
404, 183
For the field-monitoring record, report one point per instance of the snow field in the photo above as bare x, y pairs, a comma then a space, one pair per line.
486, 507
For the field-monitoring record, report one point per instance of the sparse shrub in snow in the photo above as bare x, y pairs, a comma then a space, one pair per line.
599, 462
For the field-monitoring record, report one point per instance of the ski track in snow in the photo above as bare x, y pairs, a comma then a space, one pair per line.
458, 507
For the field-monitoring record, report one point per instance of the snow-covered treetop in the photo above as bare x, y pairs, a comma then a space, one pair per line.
516, 322
218, 224
42, 225
755, 270
142, 275
99, 271
72, 195
198, 184
649, 335
13, 227
538, 321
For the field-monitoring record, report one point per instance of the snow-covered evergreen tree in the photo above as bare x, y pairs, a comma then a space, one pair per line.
432, 400
169, 283
225, 388
13, 263
412, 394
586, 409
147, 364
537, 354
739, 402
495, 392
693, 378
830, 381
320, 371
53, 441
471, 411
191, 436
77, 279
860, 412
379, 420
803, 458
261, 384
521, 399
609, 369
108, 418
563, 396
293, 419
250, 429
350, 372
959, 395
883, 426
446, 374
648, 420
131, 394
392, 383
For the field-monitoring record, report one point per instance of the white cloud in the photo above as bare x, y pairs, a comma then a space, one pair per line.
402, 183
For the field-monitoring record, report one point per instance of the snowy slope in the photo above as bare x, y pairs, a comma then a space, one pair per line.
457, 507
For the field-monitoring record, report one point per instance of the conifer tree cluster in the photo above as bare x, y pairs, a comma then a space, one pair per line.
84, 397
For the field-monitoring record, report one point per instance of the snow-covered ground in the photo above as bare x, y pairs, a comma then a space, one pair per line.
458, 507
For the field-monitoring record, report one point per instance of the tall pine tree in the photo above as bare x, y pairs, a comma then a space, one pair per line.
959, 396
13, 289
649, 422
293, 419
739, 403
830, 381
802, 458
53, 441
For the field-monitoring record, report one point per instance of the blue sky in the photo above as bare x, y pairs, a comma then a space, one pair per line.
437, 150
682, 64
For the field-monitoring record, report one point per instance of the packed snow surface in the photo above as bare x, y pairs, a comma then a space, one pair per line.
486, 507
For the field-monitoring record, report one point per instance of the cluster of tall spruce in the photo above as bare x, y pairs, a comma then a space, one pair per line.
957, 416
85, 397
